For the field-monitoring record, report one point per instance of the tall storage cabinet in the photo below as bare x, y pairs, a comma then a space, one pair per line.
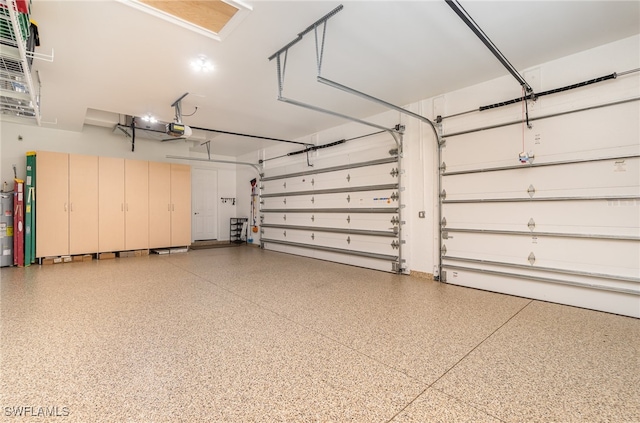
90, 204
159, 205
52, 214
136, 200
83, 204
111, 204
169, 205
180, 205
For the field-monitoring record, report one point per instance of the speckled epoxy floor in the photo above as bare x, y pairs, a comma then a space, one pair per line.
245, 335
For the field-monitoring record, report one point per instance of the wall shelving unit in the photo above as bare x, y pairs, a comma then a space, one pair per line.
19, 90
237, 229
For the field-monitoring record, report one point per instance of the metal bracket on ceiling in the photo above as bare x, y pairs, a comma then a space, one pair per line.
178, 106
208, 144
281, 65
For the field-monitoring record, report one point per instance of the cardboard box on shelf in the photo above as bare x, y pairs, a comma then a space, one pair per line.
87, 257
106, 256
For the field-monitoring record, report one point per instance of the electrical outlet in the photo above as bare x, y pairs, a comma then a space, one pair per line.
421, 214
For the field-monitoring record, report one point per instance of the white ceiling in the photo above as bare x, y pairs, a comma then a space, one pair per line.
116, 59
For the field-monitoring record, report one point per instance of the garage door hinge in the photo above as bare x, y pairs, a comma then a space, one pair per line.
348, 178
313, 182
395, 196
531, 258
445, 235
284, 233
284, 185
313, 218
313, 200
395, 244
284, 217
395, 220
531, 191
348, 198
348, 240
394, 172
262, 219
443, 168
261, 187
443, 194
393, 152
313, 236
284, 201
443, 250
531, 224
261, 231
348, 219
443, 222
261, 201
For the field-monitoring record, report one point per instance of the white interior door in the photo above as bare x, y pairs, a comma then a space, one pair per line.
204, 208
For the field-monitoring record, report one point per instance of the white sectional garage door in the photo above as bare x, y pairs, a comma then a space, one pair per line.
565, 228
343, 208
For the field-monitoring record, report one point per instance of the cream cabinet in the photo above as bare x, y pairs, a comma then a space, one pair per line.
159, 205
52, 213
111, 204
90, 204
83, 204
180, 205
169, 205
67, 208
136, 204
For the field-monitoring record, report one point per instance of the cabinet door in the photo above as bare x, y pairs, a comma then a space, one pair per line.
136, 192
110, 204
159, 205
83, 204
180, 205
52, 215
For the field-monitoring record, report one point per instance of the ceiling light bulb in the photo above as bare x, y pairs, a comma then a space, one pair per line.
202, 64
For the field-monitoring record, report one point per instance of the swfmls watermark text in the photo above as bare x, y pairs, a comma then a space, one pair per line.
35, 411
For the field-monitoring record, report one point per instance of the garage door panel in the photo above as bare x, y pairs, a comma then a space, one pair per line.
603, 217
286, 185
609, 301
573, 137
373, 199
369, 244
332, 220
274, 203
274, 218
590, 255
606, 178
348, 213
373, 222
